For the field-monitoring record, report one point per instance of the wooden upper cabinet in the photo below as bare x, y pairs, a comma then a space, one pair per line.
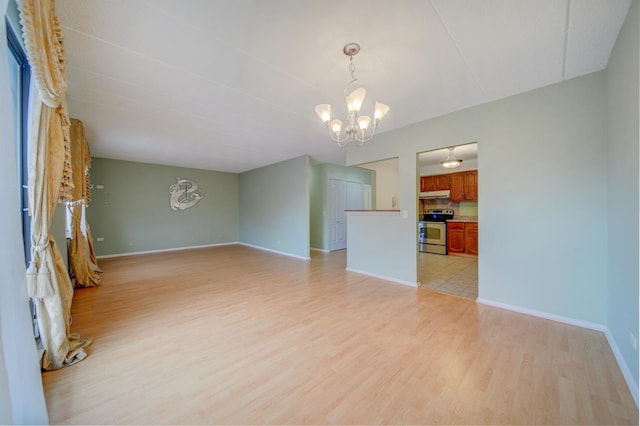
457, 187
471, 185
464, 186
427, 183
442, 182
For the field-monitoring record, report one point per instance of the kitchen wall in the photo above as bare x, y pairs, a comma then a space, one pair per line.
623, 190
274, 207
132, 213
466, 208
319, 203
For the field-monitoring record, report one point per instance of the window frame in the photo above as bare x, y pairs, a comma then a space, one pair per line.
15, 48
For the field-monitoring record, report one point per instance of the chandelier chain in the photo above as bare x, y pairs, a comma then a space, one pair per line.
352, 68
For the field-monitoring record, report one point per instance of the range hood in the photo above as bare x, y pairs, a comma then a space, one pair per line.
435, 194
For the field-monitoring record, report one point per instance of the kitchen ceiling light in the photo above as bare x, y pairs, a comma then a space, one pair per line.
357, 125
451, 162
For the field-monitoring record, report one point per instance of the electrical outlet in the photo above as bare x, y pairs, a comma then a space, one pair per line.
99, 186
130, 243
100, 239
633, 341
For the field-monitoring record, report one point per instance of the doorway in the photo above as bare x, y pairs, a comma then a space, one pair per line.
455, 270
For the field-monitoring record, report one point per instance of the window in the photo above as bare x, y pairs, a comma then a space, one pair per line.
20, 75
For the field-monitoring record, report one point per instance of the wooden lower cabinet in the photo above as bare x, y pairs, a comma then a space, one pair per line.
462, 238
455, 237
471, 237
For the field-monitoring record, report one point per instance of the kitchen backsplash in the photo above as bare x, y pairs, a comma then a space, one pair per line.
462, 209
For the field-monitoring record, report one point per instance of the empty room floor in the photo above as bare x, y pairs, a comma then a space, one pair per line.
457, 275
235, 335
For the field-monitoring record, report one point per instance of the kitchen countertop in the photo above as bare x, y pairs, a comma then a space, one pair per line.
470, 219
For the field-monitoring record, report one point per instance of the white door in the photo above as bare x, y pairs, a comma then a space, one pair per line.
354, 196
368, 203
337, 216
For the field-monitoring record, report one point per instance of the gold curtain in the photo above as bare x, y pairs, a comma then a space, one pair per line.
81, 254
48, 282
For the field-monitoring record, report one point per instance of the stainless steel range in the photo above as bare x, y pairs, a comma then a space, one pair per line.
432, 231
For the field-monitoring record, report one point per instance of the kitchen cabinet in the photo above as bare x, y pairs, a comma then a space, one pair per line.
442, 182
471, 185
464, 186
434, 183
471, 238
462, 238
427, 183
455, 237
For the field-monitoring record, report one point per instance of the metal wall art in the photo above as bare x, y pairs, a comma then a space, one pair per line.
184, 194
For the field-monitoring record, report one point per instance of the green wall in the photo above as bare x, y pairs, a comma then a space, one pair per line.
320, 175
623, 189
132, 213
274, 207
544, 149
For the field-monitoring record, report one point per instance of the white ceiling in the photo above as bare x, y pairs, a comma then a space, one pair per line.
231, 85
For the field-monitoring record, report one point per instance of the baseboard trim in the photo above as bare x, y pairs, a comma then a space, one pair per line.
545, 315
624, 368
276, 251
135, 253
319, 249
383, 277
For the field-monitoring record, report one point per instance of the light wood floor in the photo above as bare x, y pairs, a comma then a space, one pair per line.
237, 335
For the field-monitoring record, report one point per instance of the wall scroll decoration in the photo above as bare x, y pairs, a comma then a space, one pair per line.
184, 194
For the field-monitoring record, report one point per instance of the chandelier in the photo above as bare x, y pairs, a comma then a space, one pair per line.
357, 125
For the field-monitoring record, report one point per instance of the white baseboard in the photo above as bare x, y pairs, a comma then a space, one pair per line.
382, 277
135, 253
318, 249
276, 251
545, 315
624, 368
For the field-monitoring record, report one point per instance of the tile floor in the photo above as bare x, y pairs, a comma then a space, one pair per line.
449, 274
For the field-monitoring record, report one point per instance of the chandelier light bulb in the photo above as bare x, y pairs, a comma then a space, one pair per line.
324, 112
336, 125
355, 99
380, 111
363, 122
